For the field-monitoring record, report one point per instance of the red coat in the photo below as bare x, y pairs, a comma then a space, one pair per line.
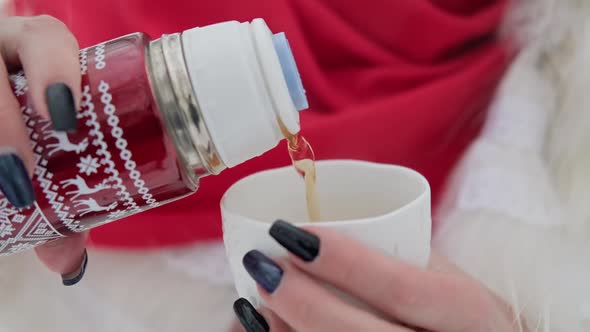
393, 81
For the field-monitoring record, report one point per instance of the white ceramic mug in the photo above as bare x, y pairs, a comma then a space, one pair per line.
385, 207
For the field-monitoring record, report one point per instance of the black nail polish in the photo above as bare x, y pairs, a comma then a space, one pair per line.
251, 320
299, 242
61, 106
15, 182
73, 278
263, 270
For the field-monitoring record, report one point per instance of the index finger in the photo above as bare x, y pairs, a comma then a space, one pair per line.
49, 53
415, 296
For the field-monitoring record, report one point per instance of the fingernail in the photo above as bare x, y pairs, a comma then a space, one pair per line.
73, 278
15, 182
61, 106
251, 320
263, 270
299, 242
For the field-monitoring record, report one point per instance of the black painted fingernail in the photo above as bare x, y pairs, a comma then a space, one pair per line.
251, 320
61, 106
73, 278
263, 270
299, 242
15, 182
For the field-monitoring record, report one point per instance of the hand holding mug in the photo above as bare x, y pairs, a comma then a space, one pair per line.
402, 296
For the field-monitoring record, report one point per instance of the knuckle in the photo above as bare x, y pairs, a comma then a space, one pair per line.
348, 267
59, 27
348, 270
70, 41
307, 315
401, 294
48, 25
32, 25
43, 23
48, 20
402, 302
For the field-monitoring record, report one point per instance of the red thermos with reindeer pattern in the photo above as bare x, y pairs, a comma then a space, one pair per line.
119, 162
155, 117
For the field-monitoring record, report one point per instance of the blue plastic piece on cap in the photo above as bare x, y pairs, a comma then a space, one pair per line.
290, 71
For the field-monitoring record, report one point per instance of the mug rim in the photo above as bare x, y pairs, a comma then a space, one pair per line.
420, 179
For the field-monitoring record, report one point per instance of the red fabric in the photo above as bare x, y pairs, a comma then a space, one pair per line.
393, 81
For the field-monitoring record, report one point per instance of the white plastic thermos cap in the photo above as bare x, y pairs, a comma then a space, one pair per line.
245, 79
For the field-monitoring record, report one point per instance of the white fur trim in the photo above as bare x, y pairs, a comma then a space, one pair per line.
541, 271
121, 291
509, 243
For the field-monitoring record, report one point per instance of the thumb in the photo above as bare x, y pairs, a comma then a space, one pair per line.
66, 256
